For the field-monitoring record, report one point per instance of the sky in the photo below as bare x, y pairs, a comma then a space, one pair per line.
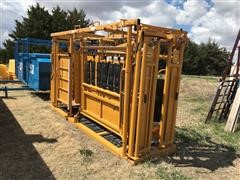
203, 19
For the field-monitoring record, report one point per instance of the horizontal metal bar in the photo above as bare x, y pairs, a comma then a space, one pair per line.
122, 23
10, 81
64, 79
104, 91
62, 101
100, 98
62, 89
105, 48
15, 89
64, 69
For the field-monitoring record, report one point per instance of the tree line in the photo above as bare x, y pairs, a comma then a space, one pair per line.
203, 59
40, 23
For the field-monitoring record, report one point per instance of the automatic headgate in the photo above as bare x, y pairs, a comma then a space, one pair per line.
119, 83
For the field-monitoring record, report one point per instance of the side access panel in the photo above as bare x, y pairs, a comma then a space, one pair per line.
62, 78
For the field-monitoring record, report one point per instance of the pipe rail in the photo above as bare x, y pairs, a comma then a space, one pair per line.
6, 89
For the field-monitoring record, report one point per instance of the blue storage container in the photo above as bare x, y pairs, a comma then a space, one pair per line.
33, 68
39, 71
21, 66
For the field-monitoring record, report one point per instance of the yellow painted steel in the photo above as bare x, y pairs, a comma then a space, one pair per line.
76, 70
8, 72
126, 100
135, 96
11, 69
152, 105
166, 91
63, 78
141, 103
53, 93
121, 101
3, 72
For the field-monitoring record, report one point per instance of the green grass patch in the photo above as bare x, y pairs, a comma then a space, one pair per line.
229, 138
188, 135
201, 133
212, 78
86, 152
195, 100
198, 107
165, 173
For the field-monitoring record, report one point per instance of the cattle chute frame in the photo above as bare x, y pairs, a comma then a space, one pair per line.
119, 84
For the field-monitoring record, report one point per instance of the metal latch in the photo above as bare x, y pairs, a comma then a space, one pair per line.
145, 98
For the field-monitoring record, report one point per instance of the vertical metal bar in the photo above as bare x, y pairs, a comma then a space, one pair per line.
81, 54
76, 72
177, 91
170, 108
164, 117
127, 90
57, 72
141, 97
6, 92
70, 77
133, 115
121, 99
16, 57
153, 93
52, 77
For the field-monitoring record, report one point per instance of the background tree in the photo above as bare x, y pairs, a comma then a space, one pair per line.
37, 24
9, 49
58, 20
204, 59
3, 56
76, 17
191, 57
40, 23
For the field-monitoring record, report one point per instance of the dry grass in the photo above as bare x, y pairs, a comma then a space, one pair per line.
194, 99
37, 143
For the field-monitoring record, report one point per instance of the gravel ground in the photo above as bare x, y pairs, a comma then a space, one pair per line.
37, 143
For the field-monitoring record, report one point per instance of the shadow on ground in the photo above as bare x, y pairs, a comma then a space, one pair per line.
18, 157
3, 97
195, 150
45, 96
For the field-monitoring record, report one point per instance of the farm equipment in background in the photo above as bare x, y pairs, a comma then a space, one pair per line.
7, 75
11, 69
7, 72
4, 72
225, 98
32, 69
108, 85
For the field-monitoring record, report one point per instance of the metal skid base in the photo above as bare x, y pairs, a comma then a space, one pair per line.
108, 139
